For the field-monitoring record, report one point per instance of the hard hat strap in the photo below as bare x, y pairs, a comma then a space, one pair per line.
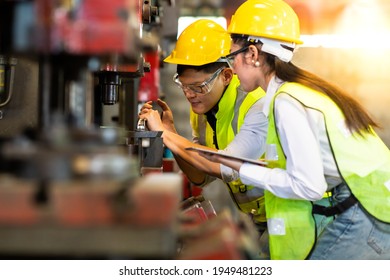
283, 50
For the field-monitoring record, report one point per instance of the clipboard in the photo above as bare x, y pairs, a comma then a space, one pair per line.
253, 161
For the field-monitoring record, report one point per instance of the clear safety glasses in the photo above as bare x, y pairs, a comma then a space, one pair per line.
203, 88
231, 56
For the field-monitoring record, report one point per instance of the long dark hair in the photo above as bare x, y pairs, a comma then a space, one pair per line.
357, 118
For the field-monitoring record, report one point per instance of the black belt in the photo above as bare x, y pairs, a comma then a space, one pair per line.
337, 209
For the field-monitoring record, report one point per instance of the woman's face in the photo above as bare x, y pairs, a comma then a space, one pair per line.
202, 102
242, 65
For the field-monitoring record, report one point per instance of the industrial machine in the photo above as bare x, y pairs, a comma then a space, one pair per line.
80, 175
70, 149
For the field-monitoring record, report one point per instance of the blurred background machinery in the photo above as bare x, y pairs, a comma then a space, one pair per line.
70, 77
80, 176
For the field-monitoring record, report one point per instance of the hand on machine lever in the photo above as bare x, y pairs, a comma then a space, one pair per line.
156, 120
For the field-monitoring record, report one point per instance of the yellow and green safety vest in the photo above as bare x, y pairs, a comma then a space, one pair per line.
364, 165
247, 198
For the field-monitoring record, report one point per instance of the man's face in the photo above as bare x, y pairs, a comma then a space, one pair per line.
202, 99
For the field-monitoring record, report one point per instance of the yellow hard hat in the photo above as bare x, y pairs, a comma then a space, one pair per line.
273, 19
202, 42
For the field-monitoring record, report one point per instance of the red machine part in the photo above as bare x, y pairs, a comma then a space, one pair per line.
215, 239
150, 83
17, 206
90, 27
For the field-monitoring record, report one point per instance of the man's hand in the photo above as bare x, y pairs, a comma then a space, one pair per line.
167, 116
155, 121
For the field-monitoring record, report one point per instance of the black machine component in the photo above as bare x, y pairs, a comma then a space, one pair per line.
65, 175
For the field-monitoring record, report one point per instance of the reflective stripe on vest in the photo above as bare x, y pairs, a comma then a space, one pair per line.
366, 175
367, 172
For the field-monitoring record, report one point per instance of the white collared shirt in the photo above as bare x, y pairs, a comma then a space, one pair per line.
310, 166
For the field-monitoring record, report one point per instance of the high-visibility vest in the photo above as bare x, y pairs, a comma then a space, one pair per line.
363, 163
247, 198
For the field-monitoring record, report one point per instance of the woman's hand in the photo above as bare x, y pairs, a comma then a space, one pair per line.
232, 163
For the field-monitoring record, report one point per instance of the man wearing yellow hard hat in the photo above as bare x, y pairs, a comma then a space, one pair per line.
223, 116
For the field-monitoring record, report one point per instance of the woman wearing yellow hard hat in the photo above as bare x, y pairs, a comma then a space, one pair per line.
326, 159
223, 116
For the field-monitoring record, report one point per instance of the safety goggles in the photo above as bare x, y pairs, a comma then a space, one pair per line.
231, 56
203, 88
